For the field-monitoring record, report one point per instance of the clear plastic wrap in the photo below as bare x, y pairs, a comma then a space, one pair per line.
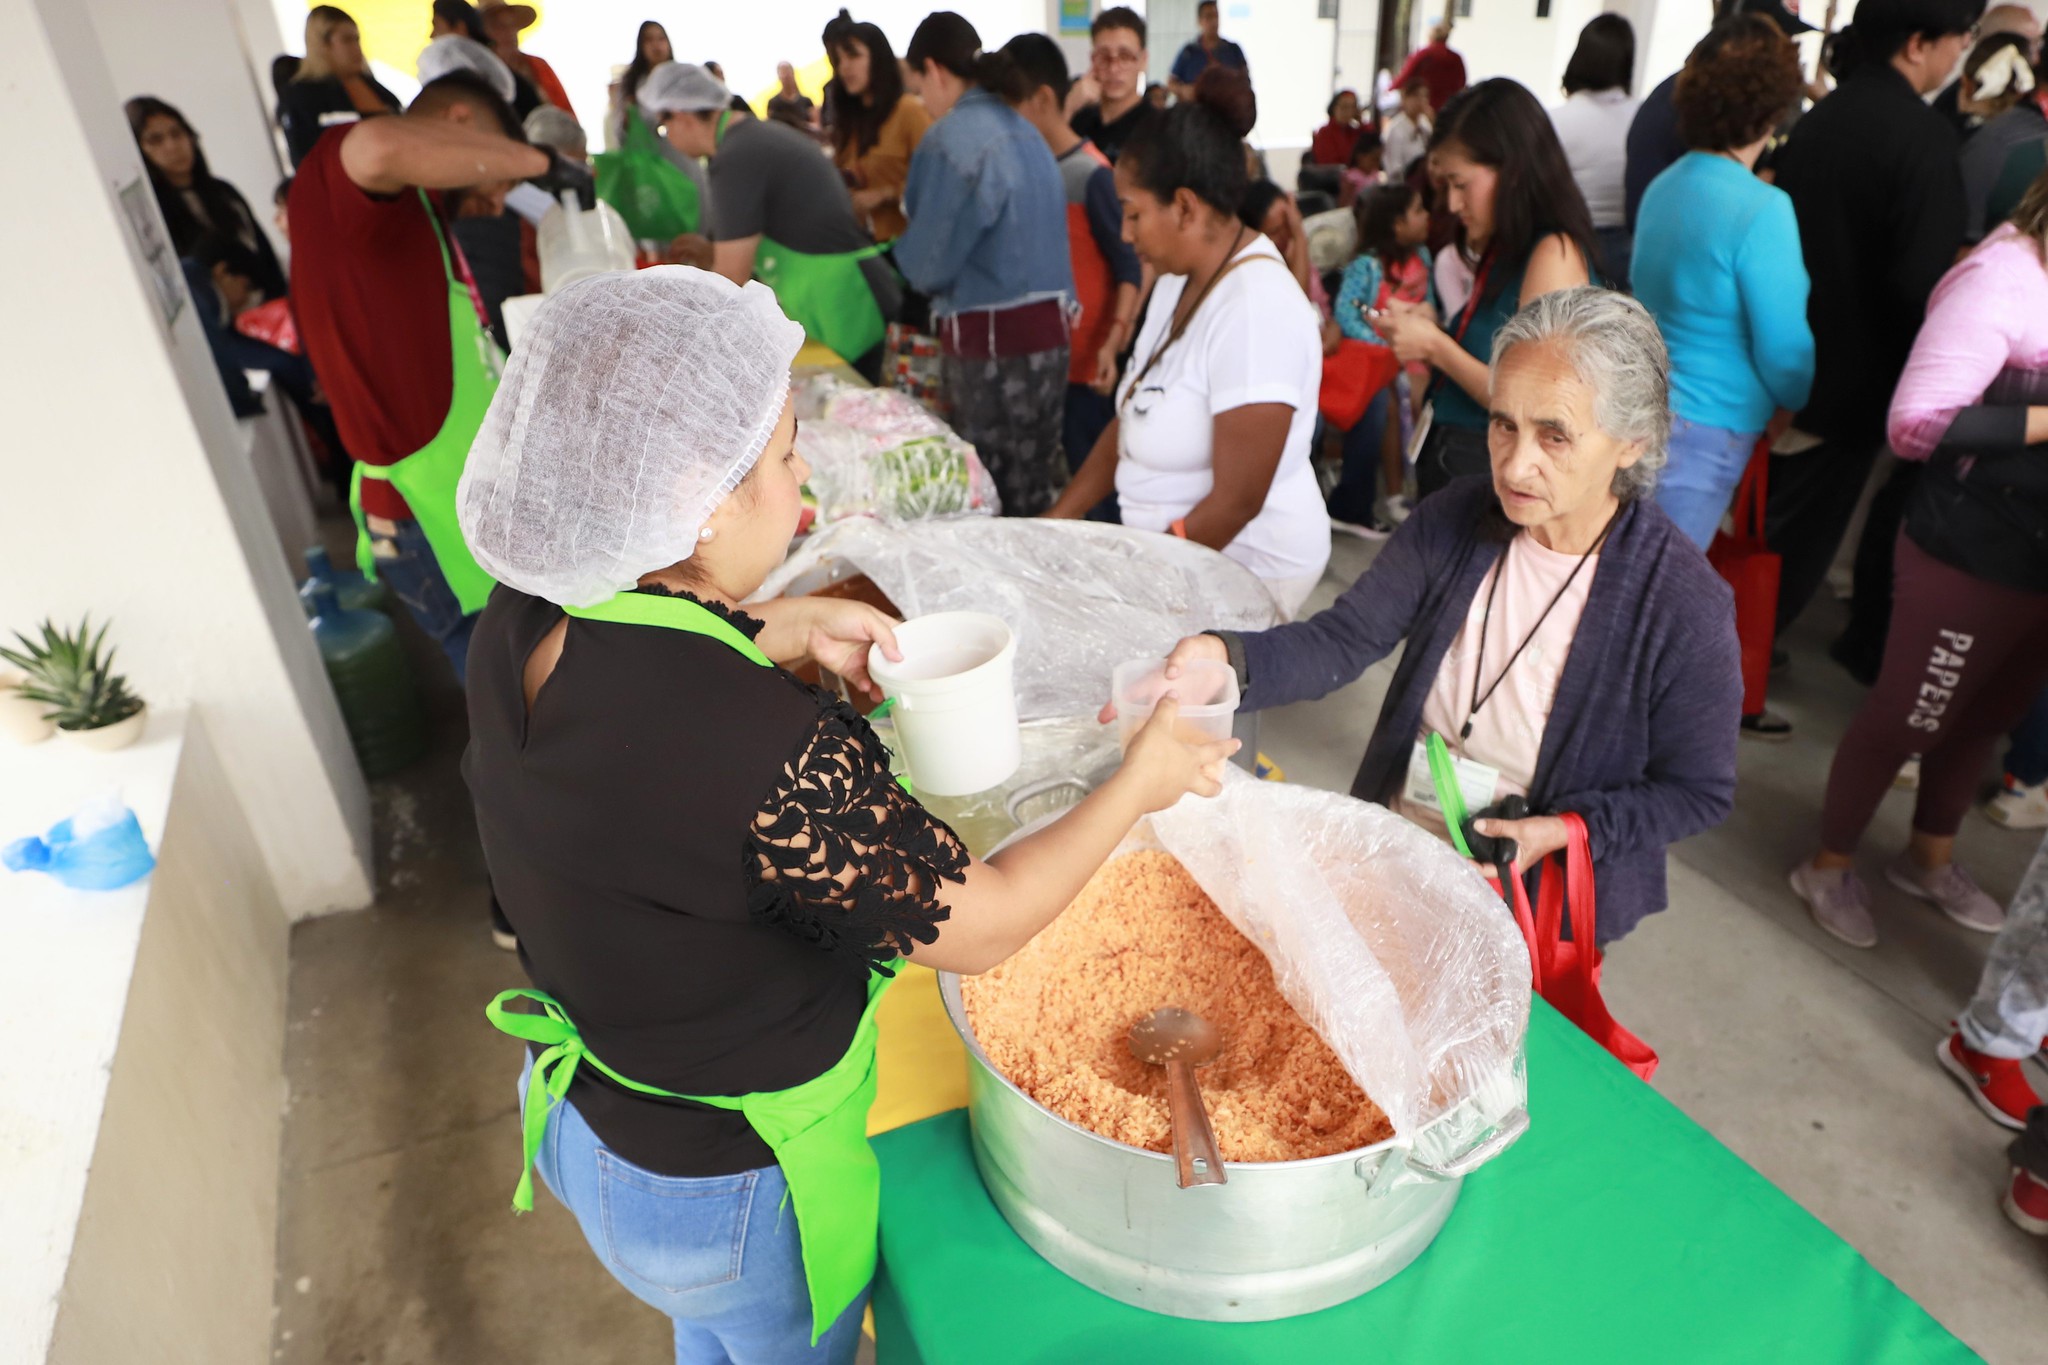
881, 453
1082, 597
886, 414
857, 474
1388, 944
813, 391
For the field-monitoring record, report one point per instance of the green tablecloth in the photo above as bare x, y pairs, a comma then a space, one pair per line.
1617, 1229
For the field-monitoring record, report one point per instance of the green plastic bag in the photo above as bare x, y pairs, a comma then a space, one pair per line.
655, 198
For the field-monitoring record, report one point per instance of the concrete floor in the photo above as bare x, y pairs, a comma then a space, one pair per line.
1810, 1059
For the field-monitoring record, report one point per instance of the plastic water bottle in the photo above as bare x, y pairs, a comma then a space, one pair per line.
366, 664
355, 592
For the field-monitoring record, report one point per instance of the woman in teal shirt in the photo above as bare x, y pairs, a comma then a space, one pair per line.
1523, 227
1718, 263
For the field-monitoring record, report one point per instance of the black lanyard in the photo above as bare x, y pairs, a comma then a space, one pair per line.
1480, 699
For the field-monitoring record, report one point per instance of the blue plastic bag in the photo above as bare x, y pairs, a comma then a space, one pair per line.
100, 848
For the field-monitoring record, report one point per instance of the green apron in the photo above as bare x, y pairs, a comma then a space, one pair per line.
828, 295
427, 478
817, 1130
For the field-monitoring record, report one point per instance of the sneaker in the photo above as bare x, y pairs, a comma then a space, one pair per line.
1364, 530
1397, 509
1998, 1086
1949, 887
1838, 901
1907, 778
1767, 726
2026, 1202
2018, 806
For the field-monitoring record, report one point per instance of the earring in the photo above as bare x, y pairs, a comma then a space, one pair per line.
705, 534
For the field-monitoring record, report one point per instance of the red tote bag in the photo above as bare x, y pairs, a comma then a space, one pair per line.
1567, 973
1751, 569
1353, 375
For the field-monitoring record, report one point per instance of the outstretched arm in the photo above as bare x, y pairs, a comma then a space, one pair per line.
386, 155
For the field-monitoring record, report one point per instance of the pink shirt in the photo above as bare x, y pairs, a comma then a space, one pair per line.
1987, 318
1507, 734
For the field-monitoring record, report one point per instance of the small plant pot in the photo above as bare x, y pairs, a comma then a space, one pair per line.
22, 720
108, 738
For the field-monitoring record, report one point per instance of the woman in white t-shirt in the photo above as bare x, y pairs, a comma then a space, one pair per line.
1216, 414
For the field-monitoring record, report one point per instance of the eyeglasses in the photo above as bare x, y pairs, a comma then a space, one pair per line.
1109, 56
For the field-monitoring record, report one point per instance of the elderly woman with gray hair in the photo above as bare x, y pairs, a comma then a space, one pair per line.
1562, 635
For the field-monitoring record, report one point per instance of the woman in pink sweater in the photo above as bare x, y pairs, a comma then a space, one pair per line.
1968, 648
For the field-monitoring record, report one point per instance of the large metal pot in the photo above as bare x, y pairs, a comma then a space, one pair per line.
1280, 1238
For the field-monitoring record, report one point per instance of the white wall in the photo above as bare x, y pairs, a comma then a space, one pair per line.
175, 1254
128, 492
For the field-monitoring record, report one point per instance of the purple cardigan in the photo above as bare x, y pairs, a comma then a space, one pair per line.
1641, 737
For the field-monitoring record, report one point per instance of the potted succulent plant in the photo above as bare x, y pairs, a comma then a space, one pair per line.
71, 677
22, 720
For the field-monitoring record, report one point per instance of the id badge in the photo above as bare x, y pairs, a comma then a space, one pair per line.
1476, 782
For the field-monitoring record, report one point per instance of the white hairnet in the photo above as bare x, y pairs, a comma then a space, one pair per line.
451, 52
681, 88
633, 405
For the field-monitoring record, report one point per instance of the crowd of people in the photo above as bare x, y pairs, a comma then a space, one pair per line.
1561, 344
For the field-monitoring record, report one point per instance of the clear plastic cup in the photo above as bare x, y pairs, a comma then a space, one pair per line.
1207, 692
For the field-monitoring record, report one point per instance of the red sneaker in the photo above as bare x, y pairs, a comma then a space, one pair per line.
1997, 1085
2026, 1202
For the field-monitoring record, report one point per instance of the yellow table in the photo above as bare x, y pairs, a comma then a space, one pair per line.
922, 1065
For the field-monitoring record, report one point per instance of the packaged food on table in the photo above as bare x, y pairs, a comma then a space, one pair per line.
858, 473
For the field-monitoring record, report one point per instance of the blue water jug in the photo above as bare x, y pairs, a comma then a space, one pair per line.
356, 593
372, 681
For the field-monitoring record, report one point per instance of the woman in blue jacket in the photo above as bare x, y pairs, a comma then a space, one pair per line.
988, 241
1563, 638
1718, 263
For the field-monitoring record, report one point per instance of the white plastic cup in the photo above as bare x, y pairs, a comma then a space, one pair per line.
956, 701
1206, 690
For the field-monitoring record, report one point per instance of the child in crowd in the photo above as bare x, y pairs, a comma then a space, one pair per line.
1407, 132
1393, 266
1363, 171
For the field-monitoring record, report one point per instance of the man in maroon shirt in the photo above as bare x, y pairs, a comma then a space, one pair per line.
1441, 69
378, 305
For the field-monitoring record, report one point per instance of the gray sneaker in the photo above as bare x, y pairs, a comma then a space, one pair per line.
1838, 901
1949, 887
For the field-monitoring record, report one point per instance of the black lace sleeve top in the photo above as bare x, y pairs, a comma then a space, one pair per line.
703, 859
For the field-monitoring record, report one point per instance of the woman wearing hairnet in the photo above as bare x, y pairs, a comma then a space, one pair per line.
709, 868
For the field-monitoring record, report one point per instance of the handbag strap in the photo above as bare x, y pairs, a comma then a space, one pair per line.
1567, 889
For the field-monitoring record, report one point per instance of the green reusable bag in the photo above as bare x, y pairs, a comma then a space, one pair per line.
655, 198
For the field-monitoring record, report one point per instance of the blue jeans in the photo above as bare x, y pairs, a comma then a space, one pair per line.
719, 1254
1617, 245
1353, 497
1700, 480
2027, 760
406, 562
